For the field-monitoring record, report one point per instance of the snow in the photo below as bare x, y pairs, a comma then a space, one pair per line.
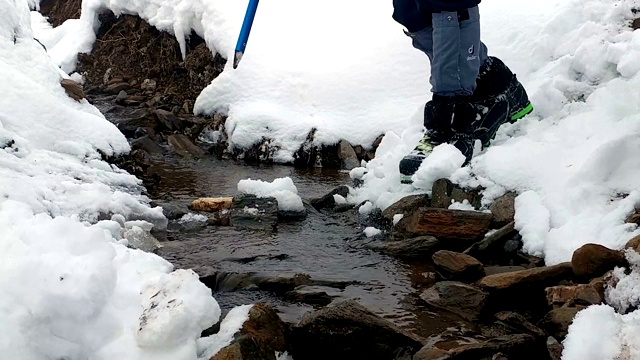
231, 324
371, 232
397, 218
283, 189
70, 288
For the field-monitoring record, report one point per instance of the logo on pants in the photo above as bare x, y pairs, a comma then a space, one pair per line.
472, 55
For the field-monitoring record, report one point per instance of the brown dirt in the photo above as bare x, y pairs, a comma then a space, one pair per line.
60, 10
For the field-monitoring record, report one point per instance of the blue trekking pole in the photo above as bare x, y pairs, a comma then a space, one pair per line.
245, 31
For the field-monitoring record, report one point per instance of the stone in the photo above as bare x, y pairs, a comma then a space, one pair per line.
430, 353
582, 294
542, 277
459, 227
266, 328
457, 266
346, 154
73, 89
406, 205
168, 120
635, 25
503, 210
633, 244
349, 331
243, 348
254, 213
328, 201
518, 323
459, 298
148, 85
120, 99
593, 260
556, 322
444, 192
499, 356
212, 204
183, 146
117, 87
555, 348
492, 246
518, 346
141, 239
512, 246
414, 248
145, 143
302, 295
492, 270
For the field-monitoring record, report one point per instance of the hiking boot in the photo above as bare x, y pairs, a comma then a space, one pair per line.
499, 98
447, 121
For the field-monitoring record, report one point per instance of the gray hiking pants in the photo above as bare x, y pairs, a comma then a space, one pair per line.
454, 48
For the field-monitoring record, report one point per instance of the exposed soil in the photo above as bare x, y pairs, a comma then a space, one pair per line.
59, 11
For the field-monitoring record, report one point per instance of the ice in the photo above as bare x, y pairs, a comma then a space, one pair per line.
283, 189
371, 231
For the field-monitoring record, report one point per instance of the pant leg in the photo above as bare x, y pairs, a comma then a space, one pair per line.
457, 53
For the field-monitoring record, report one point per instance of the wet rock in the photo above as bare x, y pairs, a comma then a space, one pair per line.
73, 89
145, 143
414, 248
538, 277
528, 261
310, 296
512, 246
115, 88
457, 266
518, 323
173, 210
555, 348
556, 322
457, 228
168, 120
347, 155
120, 99
492, 270
519, 346
148, 85
243, 348
633, 244
499, 356
183, 146
594, 260
491, 247
582, 294
458, 298
503, 210
211, 204
406, 205
266, 328
252, 212
328, 201
430, 353
350, 331
444, 192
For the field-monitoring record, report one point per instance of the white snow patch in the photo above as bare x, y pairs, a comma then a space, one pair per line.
191, 217
232, 323
366, 208
464, 205
371, 231
339, 199
283, 189
397, 218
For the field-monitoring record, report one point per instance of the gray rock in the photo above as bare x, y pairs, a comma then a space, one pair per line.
503, 210
328, 201
456, 297
444, 192
183, 146
492, 246
168, 120
122, 96
347, 155
414, 248
252, 212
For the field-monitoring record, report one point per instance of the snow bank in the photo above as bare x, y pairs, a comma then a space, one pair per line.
282, 189
601, 333
69, 289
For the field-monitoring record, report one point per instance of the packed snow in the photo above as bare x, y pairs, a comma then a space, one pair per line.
282, 189
371, 232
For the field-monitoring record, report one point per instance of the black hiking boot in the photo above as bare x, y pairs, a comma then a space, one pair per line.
446, 121
497, 88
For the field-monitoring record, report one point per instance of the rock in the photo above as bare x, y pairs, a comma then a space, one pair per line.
458, 298
492, 270
211, 204
406, 205
592, 260
168, 120
148, 85
308, 296
492, 246
457, 227
519, 346
117, 87
328, 201
555, 348
635, 25
499, 356
266, 328
431, 353
183, 146
347, 155
556, 322
145, 143
444, 192
120, 99
457, 266
350, 331
140, 238
512, 246
542, 277
73, 89
414, 248
583, 294
518, 323
503, 210
633, 244
243, 348
252, 212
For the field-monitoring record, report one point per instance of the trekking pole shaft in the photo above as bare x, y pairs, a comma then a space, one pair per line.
245, 31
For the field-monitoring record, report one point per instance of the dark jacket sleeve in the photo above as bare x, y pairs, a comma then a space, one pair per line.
407, 13
447, 5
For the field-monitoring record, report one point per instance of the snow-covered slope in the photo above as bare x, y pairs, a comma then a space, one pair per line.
68, 289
